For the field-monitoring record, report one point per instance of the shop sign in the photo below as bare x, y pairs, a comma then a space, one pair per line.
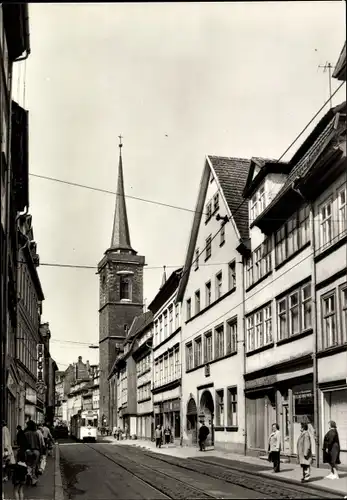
40, 359
260, 382
166, 406
176, 405
304, 397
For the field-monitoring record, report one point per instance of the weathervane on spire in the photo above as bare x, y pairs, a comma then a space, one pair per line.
120, 137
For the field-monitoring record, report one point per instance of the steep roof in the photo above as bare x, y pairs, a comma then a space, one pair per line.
340, 68
232, 176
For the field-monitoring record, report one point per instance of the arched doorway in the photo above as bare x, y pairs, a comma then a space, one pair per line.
206, 414
192, 420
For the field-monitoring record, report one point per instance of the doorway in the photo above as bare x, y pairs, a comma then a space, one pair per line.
207, 410
192, 421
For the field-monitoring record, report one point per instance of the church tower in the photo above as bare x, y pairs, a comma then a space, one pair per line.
121, 293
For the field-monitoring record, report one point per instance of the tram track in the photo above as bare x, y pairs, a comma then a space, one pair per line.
162, 478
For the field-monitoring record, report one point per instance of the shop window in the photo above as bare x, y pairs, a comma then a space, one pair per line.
208, 347
208, 293
232, 407
197, 301
329, 320
219, 341
231, 336
335, 408
197, 351
189, 356
220, 408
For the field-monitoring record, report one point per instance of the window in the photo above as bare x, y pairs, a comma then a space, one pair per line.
197, 301
222, 236
189, 308
208, 293
189, 356
259, 329
165, 324
231, 336
306, 305
125, 288
294, 312
257, 204
208, 347
326, 223
177, 316
197, 352
220, 408
219, 278
171, 328
344, 313
216, 202
161, 338
342, 210
253, 208
232, 275
293, 235
208, 211
259, 264
208, 247
219, 341
196, 259
329, 321
232, 407
261, 199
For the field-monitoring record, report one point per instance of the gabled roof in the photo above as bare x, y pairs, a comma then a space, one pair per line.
340, 68
166, 290
231, 175
138, 325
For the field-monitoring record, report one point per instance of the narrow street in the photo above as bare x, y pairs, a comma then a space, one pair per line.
107, 471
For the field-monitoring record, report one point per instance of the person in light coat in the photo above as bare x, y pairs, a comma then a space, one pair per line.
275, 447
304, 448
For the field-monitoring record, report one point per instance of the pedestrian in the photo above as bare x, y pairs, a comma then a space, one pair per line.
33, 451
275, 447
167, 434
20, 471
331, 450
304, 448
43, 450
21, 439
47, 436
203, 433
158, 436
8, 459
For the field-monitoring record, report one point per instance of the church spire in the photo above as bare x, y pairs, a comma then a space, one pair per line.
120, 233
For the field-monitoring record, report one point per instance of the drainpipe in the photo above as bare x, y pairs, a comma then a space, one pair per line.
314, 323
243, 310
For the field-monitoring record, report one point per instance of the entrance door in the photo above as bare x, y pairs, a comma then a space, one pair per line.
286, 429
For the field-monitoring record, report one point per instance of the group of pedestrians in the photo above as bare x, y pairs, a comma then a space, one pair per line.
331, 450
33, 445
160, 434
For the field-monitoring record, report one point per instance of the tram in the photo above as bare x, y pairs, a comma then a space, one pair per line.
84, 425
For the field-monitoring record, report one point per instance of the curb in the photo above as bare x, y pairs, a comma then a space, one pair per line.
58, 483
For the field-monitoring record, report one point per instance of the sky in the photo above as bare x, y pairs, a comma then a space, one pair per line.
179, 81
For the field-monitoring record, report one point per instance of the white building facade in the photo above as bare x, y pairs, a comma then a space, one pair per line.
211, 294
143, 356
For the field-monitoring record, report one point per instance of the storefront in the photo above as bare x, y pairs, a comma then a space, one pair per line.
171, 419
334, 407
145, 426
261, 414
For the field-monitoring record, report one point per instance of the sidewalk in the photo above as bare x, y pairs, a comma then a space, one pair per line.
45, 486
290, 473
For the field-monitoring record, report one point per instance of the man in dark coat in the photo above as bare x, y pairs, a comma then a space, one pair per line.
21, 439
203, 433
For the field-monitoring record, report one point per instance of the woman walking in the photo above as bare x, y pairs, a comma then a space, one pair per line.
167, 434
275, 447
331, 450
304, 447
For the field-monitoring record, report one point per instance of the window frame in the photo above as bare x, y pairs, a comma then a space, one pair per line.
342, 219
208, 293
219, 340
231, 333
189, 308
232, 274
329, 315
197, 255
222, 235
219, 284
208, 211
208, 248
258, 326
232, 401
208, 336
220, 407
343, 312
197, 300
197, 341
323, 220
